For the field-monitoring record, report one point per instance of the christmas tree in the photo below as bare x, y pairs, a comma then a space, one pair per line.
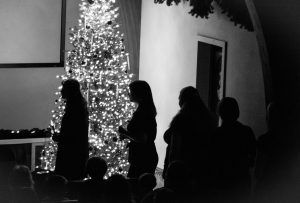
99, 62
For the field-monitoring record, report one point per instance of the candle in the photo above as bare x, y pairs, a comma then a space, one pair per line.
117, 91
100, 78
128, 64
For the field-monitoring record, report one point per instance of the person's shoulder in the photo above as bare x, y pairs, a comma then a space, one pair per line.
91, 181
178, 122
178, 118
139, 112
247, 132
222, 129
244, 127
265, 138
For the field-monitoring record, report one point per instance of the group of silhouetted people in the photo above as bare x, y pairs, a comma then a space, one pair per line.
54, 188
214, 162
204, 161
72, 153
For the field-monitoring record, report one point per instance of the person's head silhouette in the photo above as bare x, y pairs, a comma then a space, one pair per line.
117, 189
56, 186
140, 92
189, 95
164, 195
147, 181
21, 177
228, 109
70, 89
96, 168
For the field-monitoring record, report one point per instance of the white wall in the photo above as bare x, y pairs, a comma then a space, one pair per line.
28, 94
168, 62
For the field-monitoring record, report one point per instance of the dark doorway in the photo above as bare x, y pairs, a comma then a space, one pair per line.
210, 79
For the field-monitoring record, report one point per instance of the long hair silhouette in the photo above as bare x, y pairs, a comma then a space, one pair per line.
141, 91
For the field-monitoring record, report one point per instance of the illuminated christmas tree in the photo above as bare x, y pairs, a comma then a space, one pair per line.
99, 62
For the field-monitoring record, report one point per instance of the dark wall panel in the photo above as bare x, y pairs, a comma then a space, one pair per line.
130, 25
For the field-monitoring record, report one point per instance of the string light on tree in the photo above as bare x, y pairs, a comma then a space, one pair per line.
99, 62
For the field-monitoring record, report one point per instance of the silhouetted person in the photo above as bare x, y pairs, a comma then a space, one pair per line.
189, 133
234, 150
72, 152
117, 190
93, 188
272, 159
178, 179
167, 139
160, 195
146, 184
22, 185
141, 130
7, 163
56, 189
